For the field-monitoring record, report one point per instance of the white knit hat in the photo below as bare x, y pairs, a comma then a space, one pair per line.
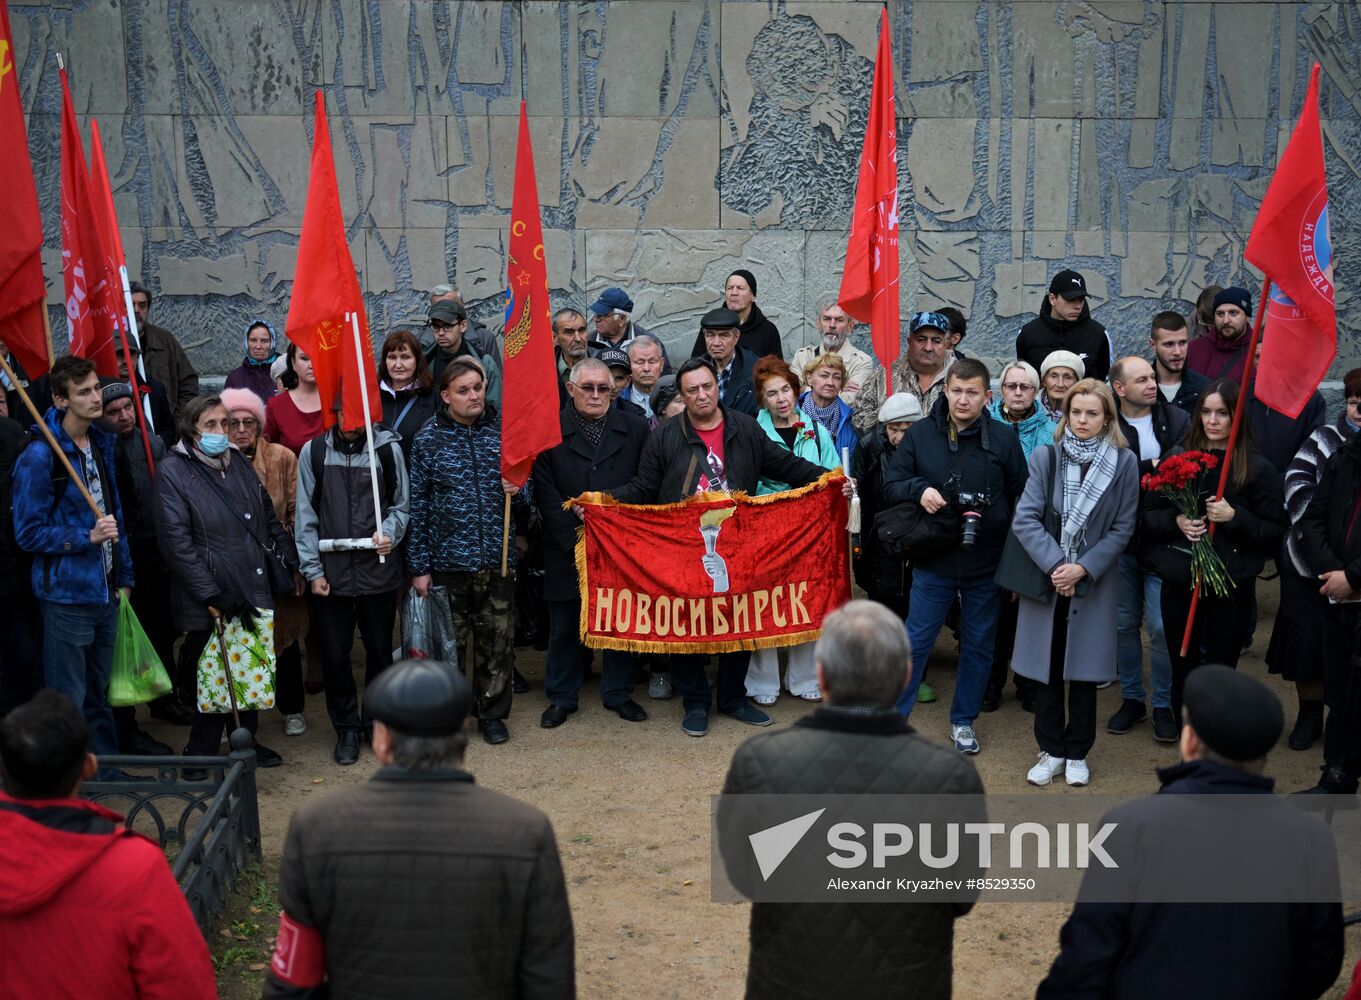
900, 406
1063, 359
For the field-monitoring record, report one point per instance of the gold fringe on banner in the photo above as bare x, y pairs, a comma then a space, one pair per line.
725, 646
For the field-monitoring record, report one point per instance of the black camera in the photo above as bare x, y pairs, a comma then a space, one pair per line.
970, 504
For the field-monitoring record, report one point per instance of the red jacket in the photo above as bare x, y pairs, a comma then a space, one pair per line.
88, 908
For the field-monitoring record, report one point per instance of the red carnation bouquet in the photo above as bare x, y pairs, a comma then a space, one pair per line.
1179, 477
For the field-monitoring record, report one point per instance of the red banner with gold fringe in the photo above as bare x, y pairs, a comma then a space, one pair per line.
713, 573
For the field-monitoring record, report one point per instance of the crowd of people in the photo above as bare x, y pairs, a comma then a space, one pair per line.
1010, 513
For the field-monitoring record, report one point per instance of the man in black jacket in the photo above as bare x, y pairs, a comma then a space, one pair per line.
1332, 544
958, 463
1152, 426
601, 445
734, 363
419, 882
1065, 324
857, 742
710, 447
1169, 340
1114, 946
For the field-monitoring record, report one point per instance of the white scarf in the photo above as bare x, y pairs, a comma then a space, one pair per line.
1081, 493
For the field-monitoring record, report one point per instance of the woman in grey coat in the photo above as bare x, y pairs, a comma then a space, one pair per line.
1070, 639
207, 497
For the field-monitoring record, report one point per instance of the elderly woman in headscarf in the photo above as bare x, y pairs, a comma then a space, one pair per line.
254, 372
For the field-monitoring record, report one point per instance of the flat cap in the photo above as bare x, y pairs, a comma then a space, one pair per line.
900, 406
420, 698
663, 391
720, 319
448, 311
1235, 715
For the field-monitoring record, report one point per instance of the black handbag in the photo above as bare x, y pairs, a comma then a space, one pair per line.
1016, 571
276, 564
909, 532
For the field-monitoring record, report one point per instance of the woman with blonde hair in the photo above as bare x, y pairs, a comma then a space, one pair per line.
1074, 519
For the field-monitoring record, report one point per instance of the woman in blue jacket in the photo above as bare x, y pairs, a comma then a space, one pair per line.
777, 389
821, 402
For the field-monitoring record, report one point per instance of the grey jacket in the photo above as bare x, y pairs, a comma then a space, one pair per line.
821, 950
203, 541
1090, 652
347, 512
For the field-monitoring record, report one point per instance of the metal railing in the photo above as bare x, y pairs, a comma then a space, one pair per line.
210, 826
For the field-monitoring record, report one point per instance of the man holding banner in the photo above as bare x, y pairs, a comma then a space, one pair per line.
712, 449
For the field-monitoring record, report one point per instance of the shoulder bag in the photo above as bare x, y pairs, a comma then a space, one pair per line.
280, 573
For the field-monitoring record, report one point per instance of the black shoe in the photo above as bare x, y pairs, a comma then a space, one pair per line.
265, 757
992, 699
553, 716
1308, 726
1127, 716
1333, 781
1026, 696
1165, 728
167, 709
347, 748
493, 731
518, 684
629, 711
194, 773
143, 744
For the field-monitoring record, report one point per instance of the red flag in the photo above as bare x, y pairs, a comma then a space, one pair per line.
326, 292
1291, 242
23, 293
530, 376
869, 284
90, 307
106, 224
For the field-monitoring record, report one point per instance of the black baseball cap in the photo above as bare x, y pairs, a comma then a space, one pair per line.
1068, 284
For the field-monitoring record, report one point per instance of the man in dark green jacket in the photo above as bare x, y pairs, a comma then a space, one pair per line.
855, 743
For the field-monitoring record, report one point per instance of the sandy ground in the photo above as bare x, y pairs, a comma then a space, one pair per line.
630, 804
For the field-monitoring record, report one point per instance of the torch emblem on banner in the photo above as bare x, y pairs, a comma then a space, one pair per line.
710, 523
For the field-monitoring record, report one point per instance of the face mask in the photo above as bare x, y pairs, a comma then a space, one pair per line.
212, 444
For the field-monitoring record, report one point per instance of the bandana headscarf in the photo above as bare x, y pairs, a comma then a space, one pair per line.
273, 342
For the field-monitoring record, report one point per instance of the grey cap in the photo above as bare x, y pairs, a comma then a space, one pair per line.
663, 392
448, 311
900, 406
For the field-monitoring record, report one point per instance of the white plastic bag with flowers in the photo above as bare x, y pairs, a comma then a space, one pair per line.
250, 656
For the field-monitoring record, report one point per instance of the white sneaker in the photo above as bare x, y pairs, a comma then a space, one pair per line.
765, 699
295, 725
965, 739
811, 696
1075, 772
659, 686
1047, 769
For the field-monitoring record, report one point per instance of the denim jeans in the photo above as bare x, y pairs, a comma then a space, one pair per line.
77, 658
980, 600
1141, 597
567, 660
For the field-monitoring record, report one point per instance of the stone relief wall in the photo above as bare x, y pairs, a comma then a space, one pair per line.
675, 141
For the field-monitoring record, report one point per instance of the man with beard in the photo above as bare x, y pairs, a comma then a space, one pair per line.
1223, 351
1169, 339
835, 328
922, 370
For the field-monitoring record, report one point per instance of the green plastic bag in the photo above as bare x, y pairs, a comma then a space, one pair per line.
137, 676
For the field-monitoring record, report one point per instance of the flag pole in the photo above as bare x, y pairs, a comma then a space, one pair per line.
47, 330
1239, 414
505, 538
368, 426
47, 433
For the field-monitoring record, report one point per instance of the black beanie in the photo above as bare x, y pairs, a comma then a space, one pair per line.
746, 276
1234, 715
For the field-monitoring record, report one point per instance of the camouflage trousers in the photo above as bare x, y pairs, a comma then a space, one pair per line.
483, 606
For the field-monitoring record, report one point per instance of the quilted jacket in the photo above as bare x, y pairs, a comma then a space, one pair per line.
457, 504
423, 885
820, 950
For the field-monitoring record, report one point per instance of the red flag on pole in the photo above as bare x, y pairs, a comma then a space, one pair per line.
91, 312
1291, 242
23, 292
326, 291
530, 376
869, 283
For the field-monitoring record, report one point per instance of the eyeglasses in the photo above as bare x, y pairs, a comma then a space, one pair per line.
436, 324
1016, 386
595, 388
243, 423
